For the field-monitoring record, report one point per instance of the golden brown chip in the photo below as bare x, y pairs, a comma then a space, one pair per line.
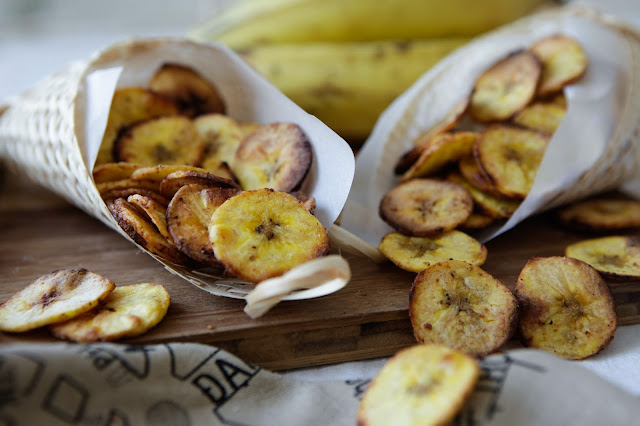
616, 258
109, 196
601, 214
109, 172
58, 296
129, 106
505, 88
486, 202
263, 233
221, 136
476, 221
188, 89
424, 207
126, 184
474, 174
420, 385
164, 140
441, 150
176, 180
563, 62
156, 212
565, 307
416, 254
188, 217
510, 157
128, 311
276, 156
459, 305
544, 117
161, 171
307, 201
144, 233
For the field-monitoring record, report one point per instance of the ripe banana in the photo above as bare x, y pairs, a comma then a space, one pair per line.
251, 22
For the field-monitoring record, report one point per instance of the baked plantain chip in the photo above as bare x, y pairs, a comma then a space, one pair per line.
188, 89
475, 175
176, 180
461, 306
161, 171
58, 296
188, 217
420, 385
476, 221
416, 254
129, 106
441, 150
126, 184
510, 157
164, 140
544, 117
276, 156
424, 207
129, 311
153, 210
563, 62
601, 214
221, 136
505, 88
109, 172
486, 202
145, 233
565, 307
616, 258
109, 196
263, 233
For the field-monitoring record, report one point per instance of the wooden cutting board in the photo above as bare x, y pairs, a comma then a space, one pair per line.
366, 319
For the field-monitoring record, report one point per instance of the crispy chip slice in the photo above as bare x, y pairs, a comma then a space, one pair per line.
109, 196
176, 180
601, 214
489, 204
442, 149
161, 171
424, 207
565, 307
506, 87
263, 233
420, 385
221, 135
145, 233
129, 106
510, 157
616, 258
156, 212
188, 89
544, 117
58, 296
563, 62
476, 221
416, 254
276, 156
126, 184
459, 305
188, 217
109, 172
163, 140
129, 311
474, 174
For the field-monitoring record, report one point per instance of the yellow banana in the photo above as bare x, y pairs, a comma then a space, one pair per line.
348, 85
250, 22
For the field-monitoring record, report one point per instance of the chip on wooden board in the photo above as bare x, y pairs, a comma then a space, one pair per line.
616, 258
420, 385
565, 307
460, 305
424, 207
563, 62
58, 296
128, 311
601, 214
416, 254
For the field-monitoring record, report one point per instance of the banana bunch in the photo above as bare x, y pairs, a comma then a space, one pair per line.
345, 61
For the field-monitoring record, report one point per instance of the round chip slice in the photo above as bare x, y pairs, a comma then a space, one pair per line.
488, 203
276, 156
544, 117
601, 214
154, 211
109, 172
510, 157
416, 254
459, 305
129, 311
563, 62
442, 149
506, 87
424, 207
59, 296
264, 233
176, 180
617, 258
420, 385
221, 135
565, 307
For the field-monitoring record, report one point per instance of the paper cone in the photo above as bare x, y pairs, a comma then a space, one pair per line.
596, 148
53, 131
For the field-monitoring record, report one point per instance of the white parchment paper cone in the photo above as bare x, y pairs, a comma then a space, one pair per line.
53, 131
596, 147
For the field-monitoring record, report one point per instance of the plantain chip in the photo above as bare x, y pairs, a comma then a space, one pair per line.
221, 136
544, 117
489, 204
601, 214
441, 150
161, 171
176, 180
109, 172
563, 62
152, 210
616, 258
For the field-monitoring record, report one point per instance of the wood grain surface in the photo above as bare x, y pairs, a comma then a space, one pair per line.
368, 318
